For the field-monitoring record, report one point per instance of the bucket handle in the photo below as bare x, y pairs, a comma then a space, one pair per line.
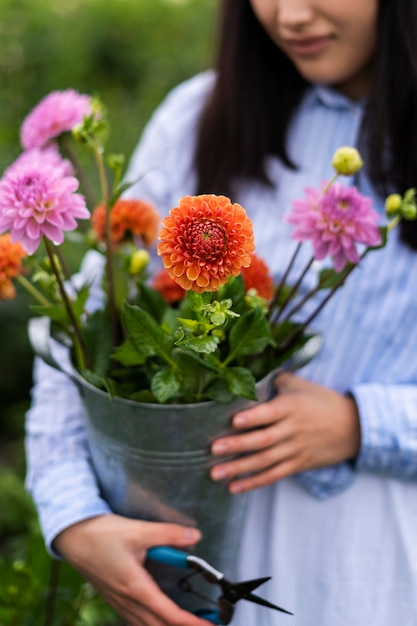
39, 331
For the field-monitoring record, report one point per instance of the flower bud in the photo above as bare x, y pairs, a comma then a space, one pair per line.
409, 211
347, 161
138, 261
393, 204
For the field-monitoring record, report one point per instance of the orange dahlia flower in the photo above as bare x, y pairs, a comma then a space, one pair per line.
11, 255
168, 287
204, 241
257, 276
127, 218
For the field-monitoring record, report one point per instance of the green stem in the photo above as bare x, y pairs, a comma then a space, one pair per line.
292, 292
293, 338
51, 599
394, 222
283, 280
329, 184
81, 349
26, 284
64, 264
301, 303
68, 148
300, 330
109, 257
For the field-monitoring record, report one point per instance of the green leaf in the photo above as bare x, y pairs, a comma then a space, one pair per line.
97, 381
240, 382
235, 290
384, 238
128, 355
329, 278
219, 392
164, 385
196, 374
209, 362
150, 300
249, 335
198, 300
78, 305
97, 336
55, 312
145, 334
205, 344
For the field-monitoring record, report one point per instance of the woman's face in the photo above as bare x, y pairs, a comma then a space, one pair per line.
329, 41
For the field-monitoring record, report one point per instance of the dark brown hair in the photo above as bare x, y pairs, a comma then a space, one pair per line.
257, 90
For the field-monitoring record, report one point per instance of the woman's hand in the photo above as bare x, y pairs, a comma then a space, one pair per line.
305, 426
109, 552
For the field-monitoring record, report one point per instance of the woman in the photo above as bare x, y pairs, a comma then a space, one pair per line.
333, 500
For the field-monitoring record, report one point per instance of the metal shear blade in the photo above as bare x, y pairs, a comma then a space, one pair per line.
233, 592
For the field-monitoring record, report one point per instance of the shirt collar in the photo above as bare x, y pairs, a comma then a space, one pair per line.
333, 99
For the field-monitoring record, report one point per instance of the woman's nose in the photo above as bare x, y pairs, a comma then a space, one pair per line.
294, 14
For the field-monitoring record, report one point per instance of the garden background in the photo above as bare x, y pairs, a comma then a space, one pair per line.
129, 53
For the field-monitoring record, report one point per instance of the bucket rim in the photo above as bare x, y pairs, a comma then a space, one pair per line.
80, 380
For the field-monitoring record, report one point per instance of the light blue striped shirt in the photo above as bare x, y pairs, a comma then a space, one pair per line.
370, 343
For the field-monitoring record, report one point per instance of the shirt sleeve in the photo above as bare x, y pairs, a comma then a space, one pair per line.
60, 477
388, 420
388, 416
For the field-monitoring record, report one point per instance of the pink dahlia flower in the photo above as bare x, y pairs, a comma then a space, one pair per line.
334, 222
38, 158
37, 201
57, 113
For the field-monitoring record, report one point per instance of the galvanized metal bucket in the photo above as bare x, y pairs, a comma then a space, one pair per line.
152, 462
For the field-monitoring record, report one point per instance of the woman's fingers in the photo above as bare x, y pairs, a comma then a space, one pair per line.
306, 426
109, 551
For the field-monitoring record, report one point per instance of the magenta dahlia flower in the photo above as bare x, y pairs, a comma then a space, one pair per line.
37, 201
334, 221
57, 113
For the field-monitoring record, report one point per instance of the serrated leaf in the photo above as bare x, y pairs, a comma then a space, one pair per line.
209, 362
196, 373
145, 334
218, 391
240, 382
164, 385
128, 355
250, 334
205, 345
198, 300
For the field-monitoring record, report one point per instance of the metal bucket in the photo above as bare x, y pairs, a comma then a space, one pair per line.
152, 462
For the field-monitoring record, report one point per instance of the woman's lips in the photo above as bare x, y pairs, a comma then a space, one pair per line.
308, 46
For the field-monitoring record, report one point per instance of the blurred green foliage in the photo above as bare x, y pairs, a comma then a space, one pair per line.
129, 53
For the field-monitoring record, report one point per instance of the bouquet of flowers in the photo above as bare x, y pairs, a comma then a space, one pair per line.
211, 323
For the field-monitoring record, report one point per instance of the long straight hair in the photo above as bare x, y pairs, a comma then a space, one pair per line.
258, 89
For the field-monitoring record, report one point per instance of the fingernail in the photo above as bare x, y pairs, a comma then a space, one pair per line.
235, 488
240, 420
220, 447
217, 473
192, 534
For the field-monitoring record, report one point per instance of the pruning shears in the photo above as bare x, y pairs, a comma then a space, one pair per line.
230, 592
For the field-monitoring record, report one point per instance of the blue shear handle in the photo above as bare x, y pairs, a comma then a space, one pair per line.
177, 558
209, 614
168, 556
